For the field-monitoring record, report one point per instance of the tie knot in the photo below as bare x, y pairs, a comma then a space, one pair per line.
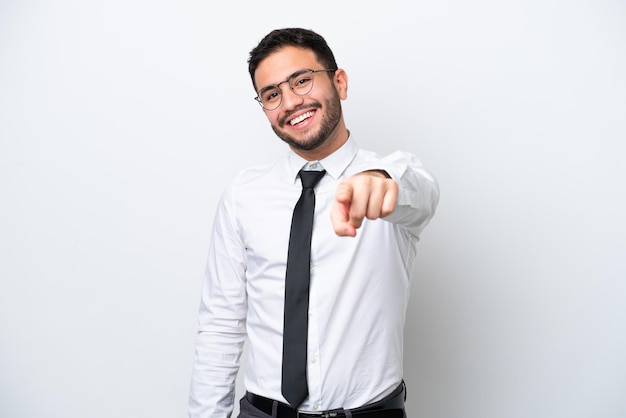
310, 178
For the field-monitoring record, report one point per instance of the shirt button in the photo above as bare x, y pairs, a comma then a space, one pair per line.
314, 360
314, 166
315, 407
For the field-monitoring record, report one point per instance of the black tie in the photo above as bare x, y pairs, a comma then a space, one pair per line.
294, 384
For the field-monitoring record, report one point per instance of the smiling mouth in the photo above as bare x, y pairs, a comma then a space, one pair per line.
301, 118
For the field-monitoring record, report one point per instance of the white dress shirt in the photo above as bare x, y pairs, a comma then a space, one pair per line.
358, 295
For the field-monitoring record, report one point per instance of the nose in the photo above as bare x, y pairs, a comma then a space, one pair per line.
290, 99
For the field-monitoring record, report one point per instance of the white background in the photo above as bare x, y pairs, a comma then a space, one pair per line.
122, 121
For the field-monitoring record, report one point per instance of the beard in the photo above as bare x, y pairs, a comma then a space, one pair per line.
315, 139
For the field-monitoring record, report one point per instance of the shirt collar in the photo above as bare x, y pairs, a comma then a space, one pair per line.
335, 164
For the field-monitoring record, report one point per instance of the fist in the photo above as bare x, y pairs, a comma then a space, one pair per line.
370, 194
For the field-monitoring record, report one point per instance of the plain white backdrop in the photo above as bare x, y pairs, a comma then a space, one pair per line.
122, 121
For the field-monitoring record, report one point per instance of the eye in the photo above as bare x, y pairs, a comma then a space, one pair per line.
302, 82
270, 95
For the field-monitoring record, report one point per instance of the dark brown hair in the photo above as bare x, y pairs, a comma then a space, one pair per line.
298, 37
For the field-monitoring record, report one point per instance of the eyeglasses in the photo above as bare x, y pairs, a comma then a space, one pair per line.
300, 82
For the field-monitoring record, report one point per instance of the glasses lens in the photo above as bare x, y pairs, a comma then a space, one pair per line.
270, 98
302, 84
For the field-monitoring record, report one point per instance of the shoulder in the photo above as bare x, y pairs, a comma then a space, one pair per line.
395, 163
254, 178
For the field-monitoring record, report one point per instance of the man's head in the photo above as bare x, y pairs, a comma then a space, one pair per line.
300, 89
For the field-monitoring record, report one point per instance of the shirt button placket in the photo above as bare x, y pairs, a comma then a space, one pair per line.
313, 352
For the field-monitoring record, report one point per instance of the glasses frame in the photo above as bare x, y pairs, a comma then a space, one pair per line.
288, 81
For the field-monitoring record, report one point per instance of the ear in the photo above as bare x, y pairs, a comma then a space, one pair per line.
340, 80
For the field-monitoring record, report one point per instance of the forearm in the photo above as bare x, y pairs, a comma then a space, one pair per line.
418, 196
214, 373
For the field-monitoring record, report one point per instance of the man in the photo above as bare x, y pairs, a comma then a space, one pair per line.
369, 213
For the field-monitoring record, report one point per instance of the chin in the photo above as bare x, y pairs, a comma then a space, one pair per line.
306, 145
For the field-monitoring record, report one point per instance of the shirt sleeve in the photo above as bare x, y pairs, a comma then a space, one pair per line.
418, 189
221, 320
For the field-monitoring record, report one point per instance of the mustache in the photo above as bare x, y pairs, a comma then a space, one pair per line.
289, 115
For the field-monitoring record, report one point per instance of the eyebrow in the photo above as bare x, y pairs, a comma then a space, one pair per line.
295, 74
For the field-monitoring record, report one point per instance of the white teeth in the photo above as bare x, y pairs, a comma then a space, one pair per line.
300, 118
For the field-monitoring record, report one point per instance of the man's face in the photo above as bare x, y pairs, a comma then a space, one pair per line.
306, 122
